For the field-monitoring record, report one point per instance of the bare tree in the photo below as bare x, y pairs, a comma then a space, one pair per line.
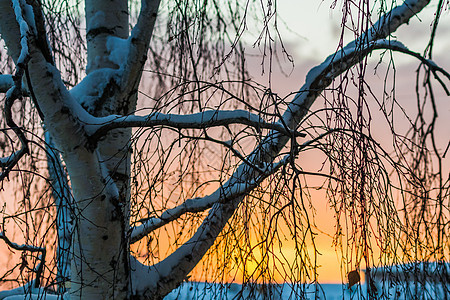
206, 156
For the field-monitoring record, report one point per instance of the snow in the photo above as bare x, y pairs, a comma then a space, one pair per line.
6, 82
23, 26
210, 291
193, 205
141, 275
20, 292
6, 160
397, 283
118, 50
29, 16
19, 247
206, 119
96, 21
73, 98
91, 87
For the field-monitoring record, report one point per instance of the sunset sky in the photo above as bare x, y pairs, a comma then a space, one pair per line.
313, 34
311, 31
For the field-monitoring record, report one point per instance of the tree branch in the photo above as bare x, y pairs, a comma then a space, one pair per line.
174, 269
15, 92
206, 119
51, 96
434, 68
138, 47
40, 268
225, 193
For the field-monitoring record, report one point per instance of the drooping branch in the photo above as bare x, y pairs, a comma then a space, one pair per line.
226, 192
40, 267
229, 192
433, 67
174, 269
223, 194
22, 247
206, 119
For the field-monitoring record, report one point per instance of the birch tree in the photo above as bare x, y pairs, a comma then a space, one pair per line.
125, 157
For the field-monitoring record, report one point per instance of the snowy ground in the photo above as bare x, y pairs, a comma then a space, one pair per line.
235, 291
203, 291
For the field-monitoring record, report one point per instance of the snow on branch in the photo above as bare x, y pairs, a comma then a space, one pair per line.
40, 267
227, 192
7, 82
206, 119
389, 22
138, 46
399, 47
174, 269
15, 92
223, 194
20, 247
23, 26
7, 163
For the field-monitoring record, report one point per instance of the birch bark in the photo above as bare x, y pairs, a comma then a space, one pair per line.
100, 268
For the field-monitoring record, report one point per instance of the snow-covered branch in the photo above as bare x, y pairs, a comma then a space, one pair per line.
61, 111
138, 47
7, 163
433, 67
40, 267
172, 270
223, 194
20, 13
15, 91
389, 22
22, 247
7, 82
206, 119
